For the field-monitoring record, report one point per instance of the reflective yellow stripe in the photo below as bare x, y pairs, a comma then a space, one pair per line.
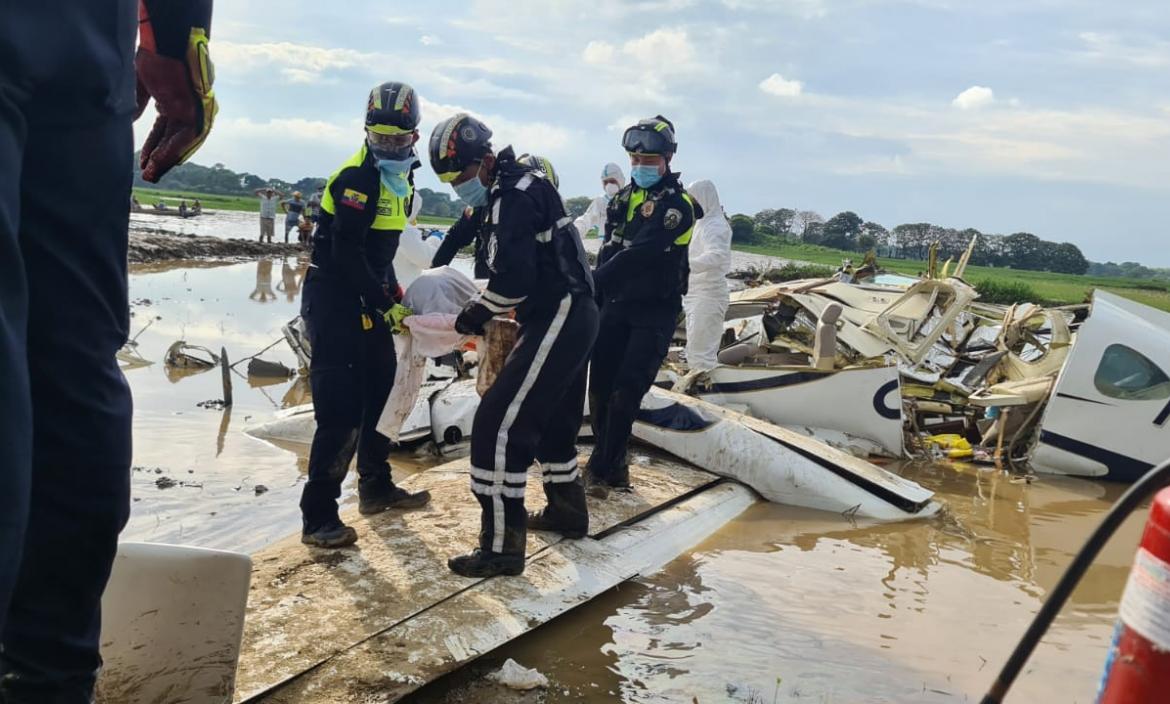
637, 197
391, 214
685, 238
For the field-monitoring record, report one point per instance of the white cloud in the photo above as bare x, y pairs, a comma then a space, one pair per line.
598, 52
661, 47
664, 50
974, 98
534, 136
429, 40
781, 86
1130, 51
807, 9
299, 63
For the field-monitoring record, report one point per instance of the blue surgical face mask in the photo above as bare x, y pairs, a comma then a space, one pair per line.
472, 191
645, 176
393, 173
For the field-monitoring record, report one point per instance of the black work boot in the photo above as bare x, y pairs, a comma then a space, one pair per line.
370, 503
333, 534
483, 562
566, 512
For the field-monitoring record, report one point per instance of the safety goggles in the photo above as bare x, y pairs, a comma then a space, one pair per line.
640, 140
390, 146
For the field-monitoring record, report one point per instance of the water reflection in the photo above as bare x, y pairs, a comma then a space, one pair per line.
263, 292
292, 278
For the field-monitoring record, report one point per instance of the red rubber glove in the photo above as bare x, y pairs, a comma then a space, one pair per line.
185, 102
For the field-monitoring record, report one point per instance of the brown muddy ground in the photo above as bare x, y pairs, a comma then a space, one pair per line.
783, 605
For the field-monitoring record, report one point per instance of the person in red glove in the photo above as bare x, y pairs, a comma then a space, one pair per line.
67, 104
351, 302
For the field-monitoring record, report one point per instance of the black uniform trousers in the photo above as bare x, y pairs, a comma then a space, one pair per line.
66, 150
351, 373
532, 411
632, 342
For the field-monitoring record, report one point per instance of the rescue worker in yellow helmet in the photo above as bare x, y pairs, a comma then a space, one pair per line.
351, 304
641, 276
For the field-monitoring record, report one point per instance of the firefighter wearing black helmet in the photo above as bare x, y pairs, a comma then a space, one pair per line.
351, 304
466, 229
537, 268
641, 276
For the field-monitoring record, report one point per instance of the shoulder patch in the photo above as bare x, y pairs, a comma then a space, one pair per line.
672, 218
354, 199
647, 209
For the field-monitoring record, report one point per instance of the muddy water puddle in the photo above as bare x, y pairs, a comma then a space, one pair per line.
198, 478
781, 605
789, 605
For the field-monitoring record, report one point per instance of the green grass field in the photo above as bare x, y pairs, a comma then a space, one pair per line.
211, 201
1049, 287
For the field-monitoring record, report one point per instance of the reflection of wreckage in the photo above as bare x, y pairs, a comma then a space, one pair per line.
182, 360
991, 383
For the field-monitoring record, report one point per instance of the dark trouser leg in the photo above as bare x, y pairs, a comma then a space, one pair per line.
15, 399
75, 261
646, 348
333, 318
373, 451
612, 338
565, 509
514, 412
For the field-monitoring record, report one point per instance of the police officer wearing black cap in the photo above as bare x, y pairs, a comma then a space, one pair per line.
351, 306
538, 269
641, 276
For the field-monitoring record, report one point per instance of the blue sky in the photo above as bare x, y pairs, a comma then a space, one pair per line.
1040, 116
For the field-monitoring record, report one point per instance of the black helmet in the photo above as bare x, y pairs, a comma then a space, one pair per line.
392, 109
543, 165
654, 135
456, 143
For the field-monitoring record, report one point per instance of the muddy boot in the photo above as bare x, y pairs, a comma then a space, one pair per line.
485, 563
566, 512
372, 503
595, 486
621, 478
334, 534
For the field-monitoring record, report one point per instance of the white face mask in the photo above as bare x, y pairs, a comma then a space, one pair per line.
611, 189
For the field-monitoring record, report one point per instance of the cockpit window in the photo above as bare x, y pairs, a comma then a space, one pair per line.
1127, 374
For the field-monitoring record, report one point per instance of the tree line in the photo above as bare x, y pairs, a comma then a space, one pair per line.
846, 230
851, 232
220, 180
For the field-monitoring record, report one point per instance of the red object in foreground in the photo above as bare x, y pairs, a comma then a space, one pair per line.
1138, 669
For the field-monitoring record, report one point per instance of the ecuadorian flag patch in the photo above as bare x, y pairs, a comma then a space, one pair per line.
354, 199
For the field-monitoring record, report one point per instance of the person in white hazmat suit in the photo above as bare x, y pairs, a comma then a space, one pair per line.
707, 295
592, 222
415, 250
